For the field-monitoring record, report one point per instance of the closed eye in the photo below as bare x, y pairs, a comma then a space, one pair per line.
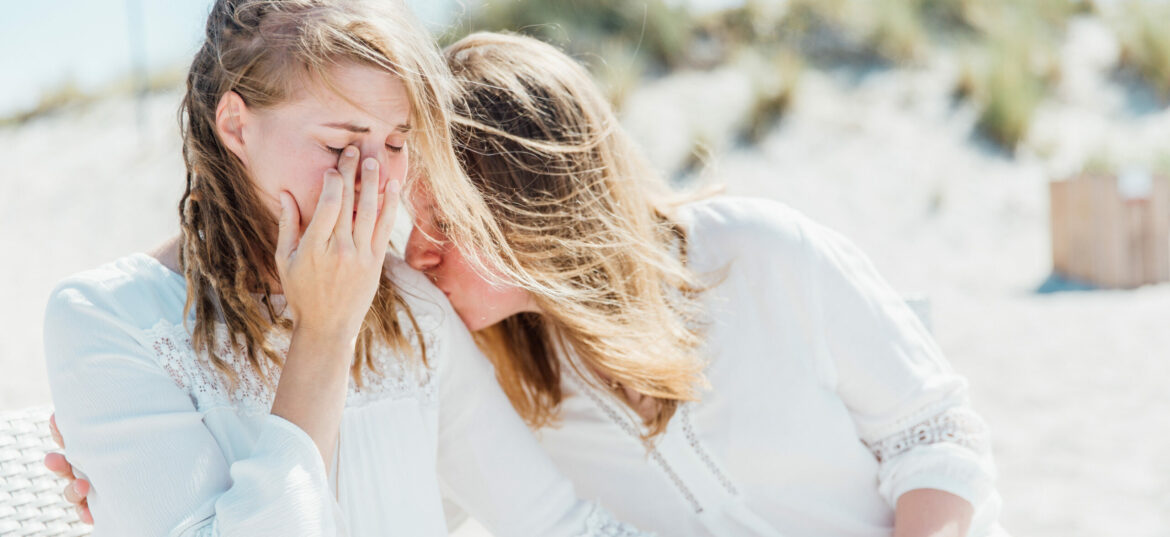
442, 226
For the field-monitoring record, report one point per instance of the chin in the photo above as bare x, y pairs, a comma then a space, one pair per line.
471, 323
474, 324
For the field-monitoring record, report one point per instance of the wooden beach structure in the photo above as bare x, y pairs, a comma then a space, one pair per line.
1111, 230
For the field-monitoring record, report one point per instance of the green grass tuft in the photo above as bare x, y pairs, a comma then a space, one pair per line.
1009, 92
1144, 30
774, 85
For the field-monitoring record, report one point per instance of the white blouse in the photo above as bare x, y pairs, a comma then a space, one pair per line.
171, 450
828, 399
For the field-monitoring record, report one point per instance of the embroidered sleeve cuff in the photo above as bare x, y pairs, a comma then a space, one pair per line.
599, 523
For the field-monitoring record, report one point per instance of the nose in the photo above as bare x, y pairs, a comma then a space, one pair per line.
380, 154
421, 253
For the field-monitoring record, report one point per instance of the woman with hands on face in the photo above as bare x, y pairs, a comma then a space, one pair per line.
271, 371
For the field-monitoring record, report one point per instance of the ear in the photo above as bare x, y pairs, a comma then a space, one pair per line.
230, 115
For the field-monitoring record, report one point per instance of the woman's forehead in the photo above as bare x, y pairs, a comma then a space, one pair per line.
357, 98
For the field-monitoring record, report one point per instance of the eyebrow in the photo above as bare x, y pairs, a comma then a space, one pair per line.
361, 130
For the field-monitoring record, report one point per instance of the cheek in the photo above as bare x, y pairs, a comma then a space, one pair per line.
304, 183
275, 169
304, 179
306, 200
485, 301
467, 281
397, 167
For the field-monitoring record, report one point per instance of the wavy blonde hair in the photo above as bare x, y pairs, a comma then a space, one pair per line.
264, 50
583, 215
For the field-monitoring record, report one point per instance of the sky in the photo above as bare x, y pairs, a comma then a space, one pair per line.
46, 44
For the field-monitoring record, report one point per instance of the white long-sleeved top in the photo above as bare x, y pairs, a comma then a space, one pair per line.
171, 450
828, 399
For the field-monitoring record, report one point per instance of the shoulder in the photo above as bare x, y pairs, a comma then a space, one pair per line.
722, 229
104, 315
758, 225
426, 303
134, 291
738, 212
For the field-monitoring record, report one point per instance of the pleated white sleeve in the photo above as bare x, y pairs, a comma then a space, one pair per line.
490, 464
155, 467
910, 408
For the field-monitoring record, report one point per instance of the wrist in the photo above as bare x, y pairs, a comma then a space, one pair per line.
323, 341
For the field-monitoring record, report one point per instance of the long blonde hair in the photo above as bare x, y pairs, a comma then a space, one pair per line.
583, 215
262, 49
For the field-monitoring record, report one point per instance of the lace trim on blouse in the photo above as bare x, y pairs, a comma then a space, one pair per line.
693, 440
254, 391
684, 416
600, 523
956, 425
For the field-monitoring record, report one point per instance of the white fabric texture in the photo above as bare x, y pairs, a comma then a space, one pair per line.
828, 399
171, 450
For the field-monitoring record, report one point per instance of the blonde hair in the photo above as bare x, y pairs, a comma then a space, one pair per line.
583, 215
263, 50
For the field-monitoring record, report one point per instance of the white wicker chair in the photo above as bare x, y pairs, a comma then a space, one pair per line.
31, 503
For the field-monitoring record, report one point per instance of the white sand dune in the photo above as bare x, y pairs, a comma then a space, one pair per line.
80, 189
1072, 384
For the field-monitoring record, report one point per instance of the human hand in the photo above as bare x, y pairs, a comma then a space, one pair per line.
330, 274
77, 489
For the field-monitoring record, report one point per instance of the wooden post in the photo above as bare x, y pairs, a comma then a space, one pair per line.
1108, 238
1158, 263
1059, 195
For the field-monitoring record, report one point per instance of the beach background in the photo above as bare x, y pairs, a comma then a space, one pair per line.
925, 130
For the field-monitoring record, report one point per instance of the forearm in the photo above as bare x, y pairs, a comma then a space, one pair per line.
313, 385
931, 513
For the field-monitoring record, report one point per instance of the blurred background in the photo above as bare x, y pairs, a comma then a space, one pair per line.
1001, 161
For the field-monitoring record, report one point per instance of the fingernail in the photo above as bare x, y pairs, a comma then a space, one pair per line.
394, 186
351, 151
371, 164
76, 487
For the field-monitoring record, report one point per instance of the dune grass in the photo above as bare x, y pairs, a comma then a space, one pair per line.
64, 95
69, 95
658, 30
1011, 62
831, 31
619, 70
1144, 32
775, 79
1007, 88
620, 42
897, 31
